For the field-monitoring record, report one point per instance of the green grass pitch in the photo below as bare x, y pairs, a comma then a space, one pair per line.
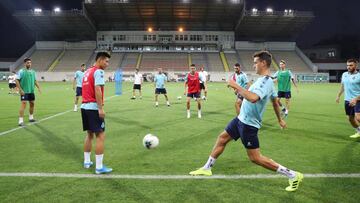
316, 141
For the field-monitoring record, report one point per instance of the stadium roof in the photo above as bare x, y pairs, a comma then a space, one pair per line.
138, 15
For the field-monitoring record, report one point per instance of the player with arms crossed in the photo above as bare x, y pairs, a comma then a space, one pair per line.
26, 82
350, 83
160, 80
92, 112
284, 77
77, 85
192, 89
248, 123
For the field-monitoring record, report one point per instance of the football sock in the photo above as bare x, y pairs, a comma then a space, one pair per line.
87, 157
99, 161
21, 119
209, 164
31, 117
285, 171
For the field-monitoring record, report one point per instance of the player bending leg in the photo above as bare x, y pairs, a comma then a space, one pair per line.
248, 123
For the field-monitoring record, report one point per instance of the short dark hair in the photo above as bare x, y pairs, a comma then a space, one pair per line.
352, 61
102, 55
237, 65
192, 65
283, 61
264, 56
26, 60
83, 64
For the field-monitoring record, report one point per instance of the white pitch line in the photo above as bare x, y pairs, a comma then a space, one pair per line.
174, 177
44, 119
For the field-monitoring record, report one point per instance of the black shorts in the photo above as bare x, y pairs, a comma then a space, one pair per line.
78, 91
12, 85
194, 95
351, 110
91, 121
137, 87
286, 95
28, 97
160, 91
248, 134
202, 86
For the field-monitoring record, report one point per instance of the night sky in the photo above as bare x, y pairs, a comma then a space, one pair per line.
337, 21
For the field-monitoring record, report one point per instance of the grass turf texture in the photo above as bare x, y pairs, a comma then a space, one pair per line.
316, 141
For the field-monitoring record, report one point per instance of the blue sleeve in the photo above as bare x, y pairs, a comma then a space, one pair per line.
276, 74
155, 78
99, 78
246, 80
342, 78
76, 75
264, 88
19, 75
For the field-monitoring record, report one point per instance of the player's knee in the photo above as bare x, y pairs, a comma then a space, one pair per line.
255, 159
357, 117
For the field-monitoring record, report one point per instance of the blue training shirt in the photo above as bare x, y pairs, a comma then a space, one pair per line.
351, 84
242, 80
79, 77
160, 80
252, 113
99, 81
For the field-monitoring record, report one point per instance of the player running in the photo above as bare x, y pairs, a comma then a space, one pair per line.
92, 112
248, 123
138, 80
203, 74
26, 82
284, 77
350, 83
192, 89
242, 80
160, 80
77, 85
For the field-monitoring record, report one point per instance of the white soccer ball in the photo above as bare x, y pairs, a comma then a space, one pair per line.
179, 97
150, 141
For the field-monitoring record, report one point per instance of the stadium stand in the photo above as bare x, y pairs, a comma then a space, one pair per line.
200, 60
168, 61
42, 59
115, 62
129, 61
215, 63
72, 60
293, 61
246, 59
232, 59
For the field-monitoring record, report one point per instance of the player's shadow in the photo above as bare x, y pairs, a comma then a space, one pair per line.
62, 147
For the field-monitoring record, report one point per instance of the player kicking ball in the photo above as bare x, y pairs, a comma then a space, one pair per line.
160, 80
192, 89
92, 112
248, 123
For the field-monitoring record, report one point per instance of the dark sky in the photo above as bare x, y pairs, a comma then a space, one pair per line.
333, 17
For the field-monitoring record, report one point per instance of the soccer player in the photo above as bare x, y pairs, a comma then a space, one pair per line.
160, 80
138, 80
284, 77
192, 89
12, 83
203, 74
248, 123
26, 82
92, 112
77, 85
350, 83
242, 80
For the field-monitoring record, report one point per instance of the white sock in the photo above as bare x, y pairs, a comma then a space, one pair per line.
287, 172
21, 119
210, 163
87, 157
31, 117
99, 161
